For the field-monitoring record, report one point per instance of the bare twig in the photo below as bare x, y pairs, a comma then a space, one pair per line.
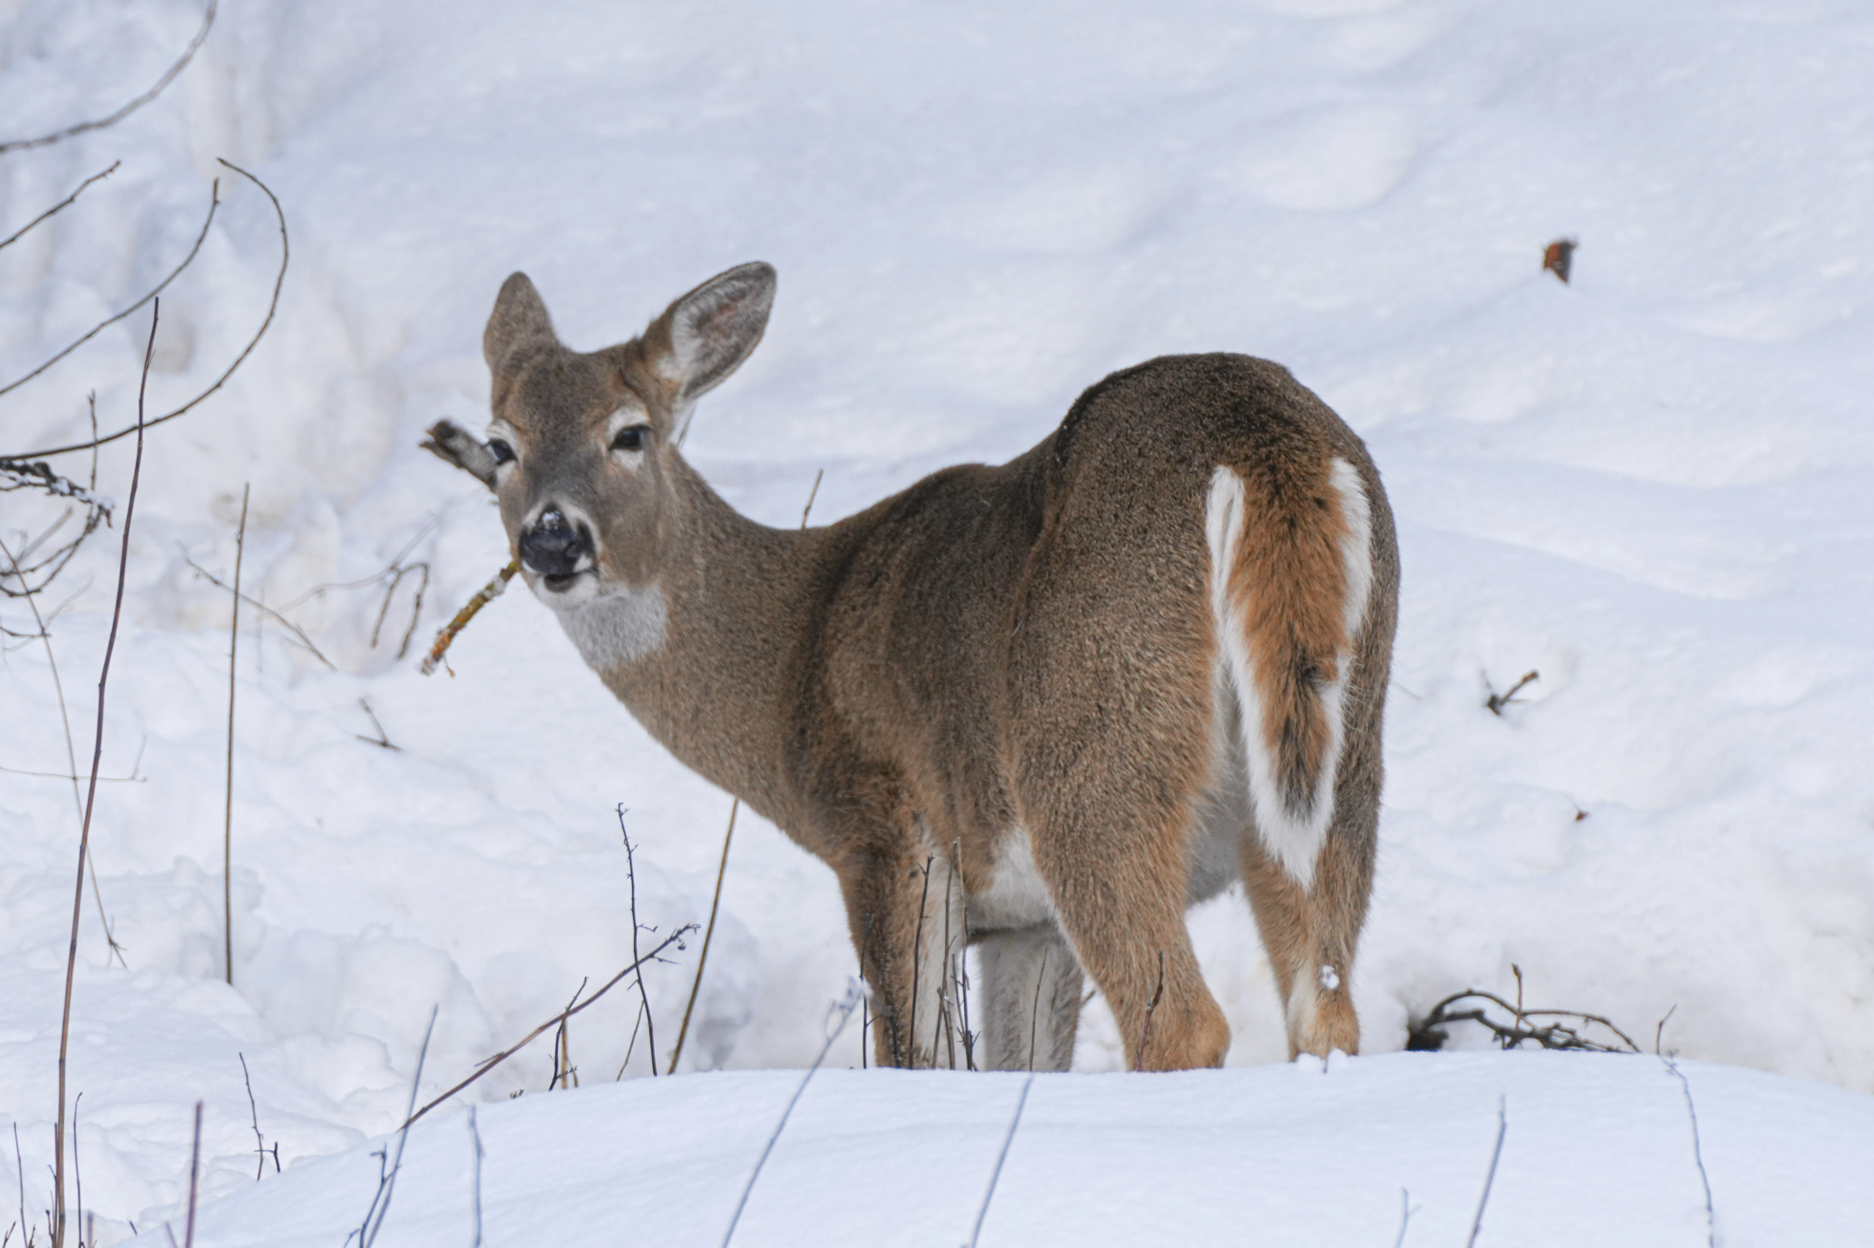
169, 76
631, 1046
387, 1183
946, 992
71, 754
675, 938
961, 980
78, 1174
1151, 1007
381, 740
391, 576
59, 207
273, 306
702, 957
66, 775
476, 1136
195, 1174
19, 1162
1405, 1217
1496, 1153
562, 1050
227, 824
917, 965
1497, 701
396, 572
631, 876
487, 594
865, 1006
855, 992
20, 475
84, 835
253, 1113
299, 634
1698, 1154
214, 203
996, 1173
1034, 1012
811, 495
1659, 1032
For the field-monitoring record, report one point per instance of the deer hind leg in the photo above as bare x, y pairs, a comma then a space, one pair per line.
1309, 934
1117, 878
1311, 931
1292, 576
907, 920
1030, 999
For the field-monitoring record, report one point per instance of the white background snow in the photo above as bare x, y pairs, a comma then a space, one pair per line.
1653, 486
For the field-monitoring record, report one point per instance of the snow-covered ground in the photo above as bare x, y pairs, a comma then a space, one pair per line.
1595, 1150
1652, 486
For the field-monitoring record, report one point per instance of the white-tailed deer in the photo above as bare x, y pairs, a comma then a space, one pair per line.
1039, 708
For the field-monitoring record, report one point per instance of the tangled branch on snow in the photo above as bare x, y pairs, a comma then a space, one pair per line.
1520, 1028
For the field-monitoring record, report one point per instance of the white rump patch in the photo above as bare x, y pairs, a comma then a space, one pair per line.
1292, 836
617, 627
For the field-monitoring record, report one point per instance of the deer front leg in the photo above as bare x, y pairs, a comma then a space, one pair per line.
905, 912
1030, 999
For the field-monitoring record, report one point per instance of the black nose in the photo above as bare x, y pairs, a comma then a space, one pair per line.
554, 547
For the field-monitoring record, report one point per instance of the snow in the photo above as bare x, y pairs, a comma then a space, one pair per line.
1596, 1150
1650, 486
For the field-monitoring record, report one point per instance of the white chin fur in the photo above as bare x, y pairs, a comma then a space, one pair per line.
611, 624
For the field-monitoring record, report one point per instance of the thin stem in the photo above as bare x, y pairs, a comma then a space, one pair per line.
506, 1053
59, 207
702, 958
214, 203
71, 754
989, 1195
169, 76
917, 964
1490, 1177
631, 875
844, 1007
84, 834
273, 306
227, 822
1698, 1153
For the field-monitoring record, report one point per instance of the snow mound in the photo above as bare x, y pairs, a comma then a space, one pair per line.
1596, 1150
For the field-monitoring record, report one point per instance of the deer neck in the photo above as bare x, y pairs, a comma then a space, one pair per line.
700, 654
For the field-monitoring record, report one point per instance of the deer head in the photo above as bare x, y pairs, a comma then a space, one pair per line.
582, 447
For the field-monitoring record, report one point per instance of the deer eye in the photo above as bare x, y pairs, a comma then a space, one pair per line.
499, 448
632, 438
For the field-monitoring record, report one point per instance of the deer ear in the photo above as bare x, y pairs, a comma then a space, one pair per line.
705, 335
519, 318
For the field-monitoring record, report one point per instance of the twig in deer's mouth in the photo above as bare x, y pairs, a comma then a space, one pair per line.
487, 594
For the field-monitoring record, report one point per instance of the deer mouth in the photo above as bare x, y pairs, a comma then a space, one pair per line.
564, 582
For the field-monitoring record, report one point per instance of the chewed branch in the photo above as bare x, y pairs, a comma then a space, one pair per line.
452, 444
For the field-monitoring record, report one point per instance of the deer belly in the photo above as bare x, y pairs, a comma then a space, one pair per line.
1017, 896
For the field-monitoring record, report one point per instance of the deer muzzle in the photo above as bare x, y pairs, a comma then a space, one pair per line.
556, 548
